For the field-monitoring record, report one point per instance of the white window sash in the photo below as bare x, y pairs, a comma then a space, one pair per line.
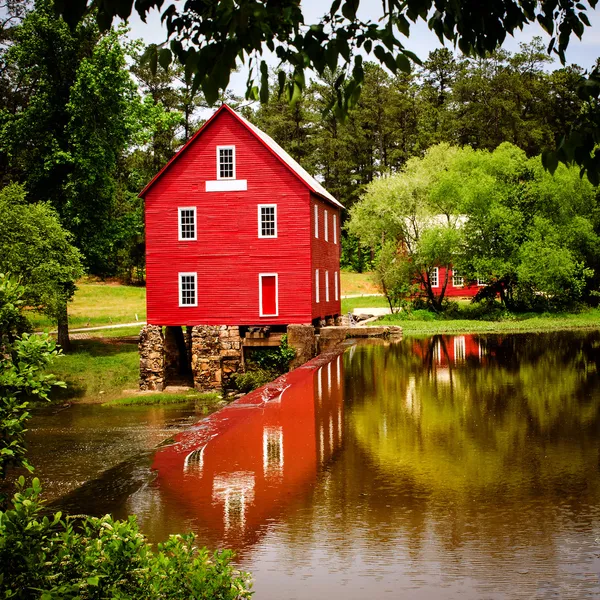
180, 225
335, 284
435, 276
195, 276
317, 286
335, 228
219, 162
316, 221
325, 226
260, 233
326, 286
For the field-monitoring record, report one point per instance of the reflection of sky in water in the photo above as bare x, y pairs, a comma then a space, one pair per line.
442, 467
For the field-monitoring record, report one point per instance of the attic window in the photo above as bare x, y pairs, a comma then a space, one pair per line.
225, 162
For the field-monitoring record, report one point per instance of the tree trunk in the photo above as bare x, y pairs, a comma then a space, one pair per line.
63, 329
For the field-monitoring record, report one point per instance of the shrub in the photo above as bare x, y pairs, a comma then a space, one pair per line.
250, 380
274, 359
92, 558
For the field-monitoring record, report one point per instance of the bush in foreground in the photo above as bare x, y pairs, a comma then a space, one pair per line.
51, 557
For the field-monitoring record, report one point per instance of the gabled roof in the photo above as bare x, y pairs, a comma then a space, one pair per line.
268, 142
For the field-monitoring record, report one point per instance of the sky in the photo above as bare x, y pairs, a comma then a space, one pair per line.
421, 41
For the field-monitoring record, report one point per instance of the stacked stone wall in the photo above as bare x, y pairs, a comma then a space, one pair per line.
216, 356
152, 358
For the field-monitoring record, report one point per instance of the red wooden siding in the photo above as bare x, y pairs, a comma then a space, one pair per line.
325, 257
228, 255
452, 291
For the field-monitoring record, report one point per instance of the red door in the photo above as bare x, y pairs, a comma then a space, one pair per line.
268, 295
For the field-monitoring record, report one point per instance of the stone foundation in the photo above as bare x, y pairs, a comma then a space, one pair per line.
152, 358
216, 356
302, 339
214, 353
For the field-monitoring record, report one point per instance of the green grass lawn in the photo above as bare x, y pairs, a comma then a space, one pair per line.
100, 304
428, 323
349, 304
357, 283
208, 399
96, 370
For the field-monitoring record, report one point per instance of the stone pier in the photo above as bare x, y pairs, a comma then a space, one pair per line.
152, 358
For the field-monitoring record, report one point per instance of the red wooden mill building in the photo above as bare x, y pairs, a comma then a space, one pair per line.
240, 237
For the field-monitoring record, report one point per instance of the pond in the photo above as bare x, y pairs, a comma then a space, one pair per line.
439, 467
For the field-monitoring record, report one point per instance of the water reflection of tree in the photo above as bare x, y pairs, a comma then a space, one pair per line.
527, 418
490, 468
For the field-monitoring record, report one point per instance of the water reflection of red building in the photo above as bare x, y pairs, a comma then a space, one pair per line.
237, 469
449, 350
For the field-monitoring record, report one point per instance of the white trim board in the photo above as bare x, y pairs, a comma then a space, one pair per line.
227, 185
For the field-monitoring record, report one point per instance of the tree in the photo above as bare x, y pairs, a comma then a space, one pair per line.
209, 37
36, 249
416, 220
532, 236
63, 141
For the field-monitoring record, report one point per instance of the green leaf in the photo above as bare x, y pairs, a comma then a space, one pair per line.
349, 9
550, 161
403, 63
164, 58
94, 581
264, 82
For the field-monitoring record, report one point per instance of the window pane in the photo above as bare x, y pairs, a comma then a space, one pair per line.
187, 223
188, 290
226, 163
267, 221
433, 278
457, 280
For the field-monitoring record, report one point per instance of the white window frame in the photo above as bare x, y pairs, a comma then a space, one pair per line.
335, 285
326, 286
180, 275
219, 178
334, 228
481, 282
317, 221
455, 277
317, 298
260, 234
325, 226
180, 236
260, 276
435, 271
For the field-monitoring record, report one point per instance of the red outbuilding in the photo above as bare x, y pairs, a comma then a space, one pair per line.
238, 233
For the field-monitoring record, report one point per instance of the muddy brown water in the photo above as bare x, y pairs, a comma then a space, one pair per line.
438, 467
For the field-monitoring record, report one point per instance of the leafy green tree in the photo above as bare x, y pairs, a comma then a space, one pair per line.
222, 33
530, 235
417, 218
36, 249
65, 138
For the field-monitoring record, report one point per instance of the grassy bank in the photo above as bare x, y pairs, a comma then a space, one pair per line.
357, 283
425, 322
349, 304
100, 304
97, 370
208, 400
